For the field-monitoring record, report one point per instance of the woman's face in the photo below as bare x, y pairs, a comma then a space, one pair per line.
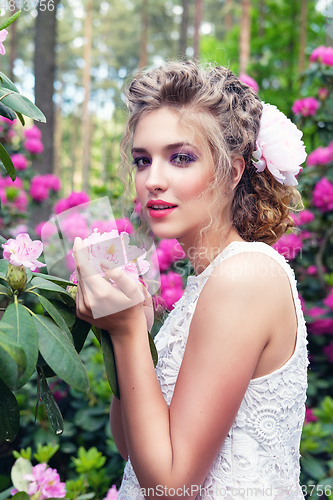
173, 170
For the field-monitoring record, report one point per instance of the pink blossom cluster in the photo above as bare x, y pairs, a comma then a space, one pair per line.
306, 107
323, 55
310, 416
171, 289
112, 493
19, 161
323, 195
168, 252
122, 224
12, 192
22, 251
323, 93
329, 299
45, 482
320, 156
289, 245
243, 77
33, 143
8, 122
73, 200
319, 324
328, 350
303, 217
42, 184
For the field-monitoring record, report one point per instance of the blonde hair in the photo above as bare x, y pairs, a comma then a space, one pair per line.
226, 114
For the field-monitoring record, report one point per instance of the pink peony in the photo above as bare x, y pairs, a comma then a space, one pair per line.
303, 217
61, 206
21, 201
243, 77
7, 181
306, 107
323, 94
170, 296
3, 35
167, 252
171, 289
45, 482
328, 350
33, 133
103, 226
279, 146
52, 182
112, 493
46, 228
22, 251
171, 280
34, 146
289, 245
75, 199
75, 225
19, 161
320, 156
312, 270
318, 325
38, 192
322, 54
124, 224
329, 299
310, 416
323, 195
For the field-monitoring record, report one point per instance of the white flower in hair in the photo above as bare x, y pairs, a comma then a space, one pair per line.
279, 146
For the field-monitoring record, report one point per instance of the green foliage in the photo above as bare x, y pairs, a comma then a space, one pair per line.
45, 453
88, 460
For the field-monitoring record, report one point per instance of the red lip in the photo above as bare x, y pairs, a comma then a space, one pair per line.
161, 212
159, 202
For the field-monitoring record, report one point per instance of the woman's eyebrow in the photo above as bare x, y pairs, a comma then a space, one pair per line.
166, 148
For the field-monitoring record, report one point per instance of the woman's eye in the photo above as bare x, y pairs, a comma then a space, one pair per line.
181, 159
141, 162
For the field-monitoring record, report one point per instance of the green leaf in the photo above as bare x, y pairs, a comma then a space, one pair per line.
21, 495
110, 363
20, 117
21, 467
13, 361
7, 162
6, 493
60, 354
66, 312
10, 20
313, 467
7, 83
44, 284
153, 349
10, 414
7, 112
46, 452
3, 241
54, 279
80, 332
25, 335
51, 407
3, 266
56, 316
21, 104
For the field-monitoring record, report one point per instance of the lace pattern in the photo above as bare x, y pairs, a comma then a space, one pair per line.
260, 456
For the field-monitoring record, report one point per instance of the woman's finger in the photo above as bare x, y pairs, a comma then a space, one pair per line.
126, 284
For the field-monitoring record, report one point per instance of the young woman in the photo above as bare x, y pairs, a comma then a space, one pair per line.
221, 415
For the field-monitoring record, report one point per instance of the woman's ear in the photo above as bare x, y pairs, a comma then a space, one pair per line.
238, 166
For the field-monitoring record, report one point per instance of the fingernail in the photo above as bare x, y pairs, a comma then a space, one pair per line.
106, 264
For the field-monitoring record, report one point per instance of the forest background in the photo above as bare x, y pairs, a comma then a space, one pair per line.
75, 58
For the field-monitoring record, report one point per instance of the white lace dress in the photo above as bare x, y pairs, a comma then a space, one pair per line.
260, 456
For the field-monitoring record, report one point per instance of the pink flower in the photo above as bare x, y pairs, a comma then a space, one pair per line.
7, 120
46, 482
243, 77
22, 251
323, 54
312, 270
289, 245
329, 299
3, 35
75, 199
323, 94
279, 146
21, 201
124, 224
171, 280
137, 206
33, 133
170, 296
3, 196
52, 181
323, 195
112, 493
305, 235
21, 228
46, 228
74, 225
320, 156
318, 325
328, 350
38, 192
171, 289
19, 161
61, 206
167, 252
73, 277
310, 416
7, 181
103, 226
34, 146
303, 217
306, 107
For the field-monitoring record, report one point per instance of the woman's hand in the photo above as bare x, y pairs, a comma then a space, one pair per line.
117, 309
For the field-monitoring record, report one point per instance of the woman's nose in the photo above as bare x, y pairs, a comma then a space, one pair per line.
157, 177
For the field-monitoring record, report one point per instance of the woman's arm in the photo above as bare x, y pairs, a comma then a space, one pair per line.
117, 430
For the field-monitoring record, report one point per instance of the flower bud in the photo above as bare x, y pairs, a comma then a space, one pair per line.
72, 290
16, 277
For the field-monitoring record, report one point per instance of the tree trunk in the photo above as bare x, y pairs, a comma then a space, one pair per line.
244, 45
183, 30
74, 132
302, 37
228, 15
13, 44
197, 23
86, 85
144, 34
44, 66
